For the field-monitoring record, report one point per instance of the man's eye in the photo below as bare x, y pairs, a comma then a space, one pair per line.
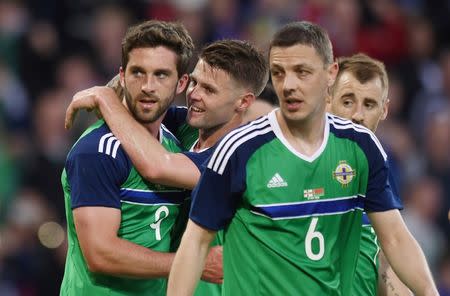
303, 72
161, 75
137, 73
348, 103
276, 73
370, 106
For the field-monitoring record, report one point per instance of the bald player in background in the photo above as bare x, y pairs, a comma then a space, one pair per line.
360, 93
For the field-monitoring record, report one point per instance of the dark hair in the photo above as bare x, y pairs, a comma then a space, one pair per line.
158, 33
241, 60
364, 69
305, 33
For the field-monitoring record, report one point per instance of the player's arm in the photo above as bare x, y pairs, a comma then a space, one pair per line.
401, 249
214, 203
105, 252
95, 179
388, 282
403, 252
149, 157
189, 260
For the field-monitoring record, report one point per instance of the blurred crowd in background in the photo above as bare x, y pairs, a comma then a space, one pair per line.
50, 49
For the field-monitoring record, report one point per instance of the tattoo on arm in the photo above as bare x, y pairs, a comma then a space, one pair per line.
390, 286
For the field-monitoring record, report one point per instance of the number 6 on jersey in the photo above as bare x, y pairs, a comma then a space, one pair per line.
310, 235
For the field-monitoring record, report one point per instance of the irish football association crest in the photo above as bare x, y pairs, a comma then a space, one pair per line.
344, 173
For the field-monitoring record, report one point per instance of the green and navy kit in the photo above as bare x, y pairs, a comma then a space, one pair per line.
99, 173
175, 120
366, 274
292, 222
205, 288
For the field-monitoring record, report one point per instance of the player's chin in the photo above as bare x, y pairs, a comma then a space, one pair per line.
295, 116
195, 118
195, 122
147, 117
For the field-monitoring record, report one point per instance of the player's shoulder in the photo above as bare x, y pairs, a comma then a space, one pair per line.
97, 139
347, 128
175, 115
167, 134
98, 155
364, 137
199, 158
178, 109
243, 140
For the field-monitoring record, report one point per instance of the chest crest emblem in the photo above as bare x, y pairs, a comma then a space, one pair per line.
344, 173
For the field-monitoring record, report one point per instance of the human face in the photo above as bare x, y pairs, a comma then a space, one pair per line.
362, 103
212, 97
300, 79
151, 82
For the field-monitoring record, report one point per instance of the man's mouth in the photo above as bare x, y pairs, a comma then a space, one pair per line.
196, 109
293, 103
147, 103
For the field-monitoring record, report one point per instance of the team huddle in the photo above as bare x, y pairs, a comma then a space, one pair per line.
165, 200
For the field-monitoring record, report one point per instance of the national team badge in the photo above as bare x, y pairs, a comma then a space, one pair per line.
344, 173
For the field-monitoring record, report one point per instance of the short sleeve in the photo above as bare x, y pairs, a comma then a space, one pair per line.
393, 181
199, 159
175, 117
379, 194
217, 195
95, 179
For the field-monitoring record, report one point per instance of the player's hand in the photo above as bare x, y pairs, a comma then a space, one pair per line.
213, 271
86, 99
114, 83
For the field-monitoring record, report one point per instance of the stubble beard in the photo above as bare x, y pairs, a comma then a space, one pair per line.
144, 117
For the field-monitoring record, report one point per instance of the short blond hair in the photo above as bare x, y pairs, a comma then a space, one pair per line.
364, 69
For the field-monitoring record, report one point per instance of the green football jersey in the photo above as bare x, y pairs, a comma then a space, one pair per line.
176, 121
292, 222
366, 274
99, 173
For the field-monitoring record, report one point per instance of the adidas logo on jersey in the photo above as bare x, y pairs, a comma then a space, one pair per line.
276, 181
108, 145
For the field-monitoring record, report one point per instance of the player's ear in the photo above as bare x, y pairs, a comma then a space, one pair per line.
385, 109
328, 98
122, 76
245, 102
333, 69
182, 83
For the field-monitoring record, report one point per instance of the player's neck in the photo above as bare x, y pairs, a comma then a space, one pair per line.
153, 128
306, 136
209, 137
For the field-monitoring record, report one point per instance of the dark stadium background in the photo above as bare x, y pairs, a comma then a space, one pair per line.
49, 49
